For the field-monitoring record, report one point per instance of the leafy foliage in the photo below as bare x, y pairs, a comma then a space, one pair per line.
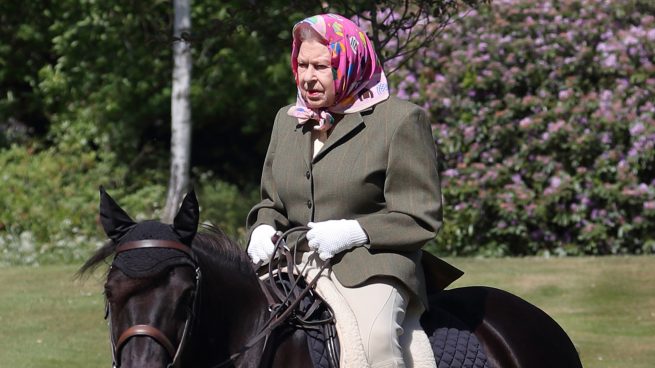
543, 113
85, 101
49, 202
545, 120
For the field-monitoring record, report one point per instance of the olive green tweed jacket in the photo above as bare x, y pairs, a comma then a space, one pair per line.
379, 167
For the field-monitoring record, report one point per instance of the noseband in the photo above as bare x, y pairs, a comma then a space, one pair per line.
151, 331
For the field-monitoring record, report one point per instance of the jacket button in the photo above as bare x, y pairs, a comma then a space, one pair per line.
307, 174
309, 204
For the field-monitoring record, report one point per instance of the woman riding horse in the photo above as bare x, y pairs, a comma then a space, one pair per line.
359, 168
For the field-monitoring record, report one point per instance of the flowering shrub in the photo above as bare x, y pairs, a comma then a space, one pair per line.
544, 113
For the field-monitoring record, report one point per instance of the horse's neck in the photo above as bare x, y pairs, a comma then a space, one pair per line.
238, 309
248, 312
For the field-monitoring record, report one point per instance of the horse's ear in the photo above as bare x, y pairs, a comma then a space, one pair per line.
186, 220
114, 220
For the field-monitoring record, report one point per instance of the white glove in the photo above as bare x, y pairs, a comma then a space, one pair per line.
261, 245
334, 236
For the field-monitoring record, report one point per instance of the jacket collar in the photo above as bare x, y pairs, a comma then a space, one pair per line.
342, 131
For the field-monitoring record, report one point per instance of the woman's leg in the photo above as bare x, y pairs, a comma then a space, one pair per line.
416, 347
379, 307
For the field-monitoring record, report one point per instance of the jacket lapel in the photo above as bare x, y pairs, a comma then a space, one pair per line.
303, 141
342, 131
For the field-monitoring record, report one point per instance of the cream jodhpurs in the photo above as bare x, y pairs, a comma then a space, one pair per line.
388, 321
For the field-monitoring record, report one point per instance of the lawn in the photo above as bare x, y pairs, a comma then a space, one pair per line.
607, 305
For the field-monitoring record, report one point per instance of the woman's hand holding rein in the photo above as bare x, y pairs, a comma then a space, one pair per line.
261, 245
330, 237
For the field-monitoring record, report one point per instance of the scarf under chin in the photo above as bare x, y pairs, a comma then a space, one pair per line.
359, 80
324, 119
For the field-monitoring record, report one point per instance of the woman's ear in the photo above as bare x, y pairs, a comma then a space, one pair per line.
187, 218
114, 220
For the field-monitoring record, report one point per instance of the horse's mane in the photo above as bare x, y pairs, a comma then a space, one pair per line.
219, 250
215, 247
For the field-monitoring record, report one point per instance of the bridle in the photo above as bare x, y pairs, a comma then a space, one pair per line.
151, 331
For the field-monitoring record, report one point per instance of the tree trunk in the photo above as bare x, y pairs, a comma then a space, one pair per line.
180, 110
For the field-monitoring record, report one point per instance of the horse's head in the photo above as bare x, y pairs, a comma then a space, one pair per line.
152, 284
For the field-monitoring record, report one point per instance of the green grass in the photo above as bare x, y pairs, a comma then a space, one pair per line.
50, 320
607, 305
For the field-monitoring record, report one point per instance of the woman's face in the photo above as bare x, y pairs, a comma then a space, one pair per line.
315, 75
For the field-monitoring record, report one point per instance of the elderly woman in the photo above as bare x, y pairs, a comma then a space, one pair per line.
360, 169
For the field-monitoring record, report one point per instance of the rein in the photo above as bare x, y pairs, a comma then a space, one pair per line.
280, 304
151, 331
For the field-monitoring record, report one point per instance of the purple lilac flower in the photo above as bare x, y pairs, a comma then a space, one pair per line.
565, 94
637, 129
469, 133
588, 228
630, 40
643, 188
451, 173
610, 62
556, 126
555, 182
651, 35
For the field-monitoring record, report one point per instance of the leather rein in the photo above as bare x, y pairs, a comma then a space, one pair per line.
281, 305
151, 331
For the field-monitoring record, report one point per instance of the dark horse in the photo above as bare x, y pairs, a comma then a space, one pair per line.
180, 299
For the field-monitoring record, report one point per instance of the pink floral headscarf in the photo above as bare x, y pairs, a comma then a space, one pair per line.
359, 80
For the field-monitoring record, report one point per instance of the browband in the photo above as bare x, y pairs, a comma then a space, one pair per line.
151, 243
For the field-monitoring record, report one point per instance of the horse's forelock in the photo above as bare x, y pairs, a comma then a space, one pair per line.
98, 257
